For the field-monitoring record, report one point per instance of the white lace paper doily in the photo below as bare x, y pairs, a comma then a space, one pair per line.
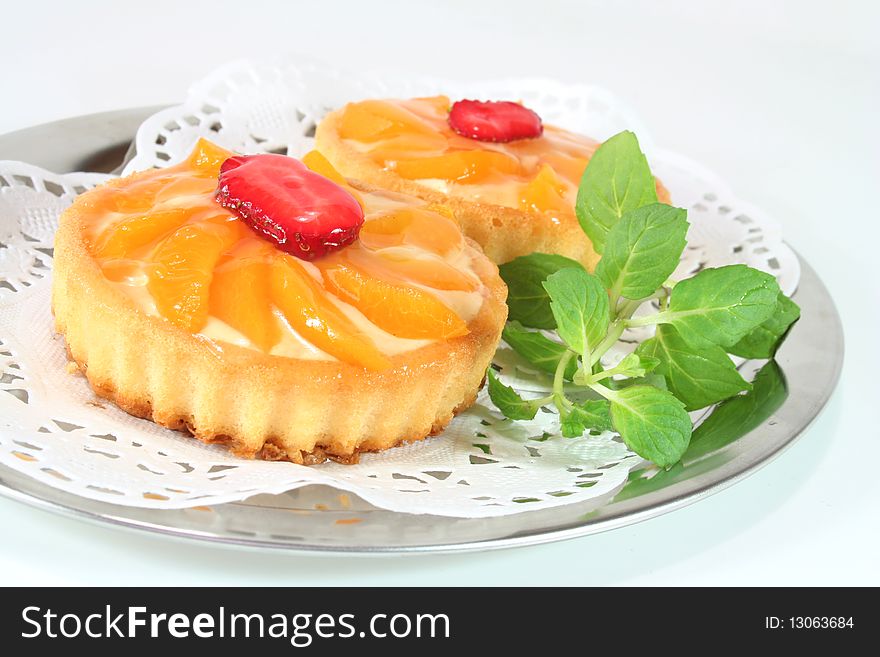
54, 429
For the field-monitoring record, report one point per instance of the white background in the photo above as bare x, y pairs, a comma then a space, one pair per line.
780, 98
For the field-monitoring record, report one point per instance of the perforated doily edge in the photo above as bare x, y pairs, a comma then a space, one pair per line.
375, 498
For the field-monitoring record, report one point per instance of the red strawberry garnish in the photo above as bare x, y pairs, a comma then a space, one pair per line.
298, 210
494, 121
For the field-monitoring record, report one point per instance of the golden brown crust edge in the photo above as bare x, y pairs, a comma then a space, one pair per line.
258, 405
504, 233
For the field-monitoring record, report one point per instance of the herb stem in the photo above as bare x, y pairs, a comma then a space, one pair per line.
607, 393
648, 320
540, 401
611, 338
615, 330
559, 375
595, 378
562, 404
628, 307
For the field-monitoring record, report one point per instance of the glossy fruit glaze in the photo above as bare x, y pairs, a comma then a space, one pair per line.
413, 138
163, 239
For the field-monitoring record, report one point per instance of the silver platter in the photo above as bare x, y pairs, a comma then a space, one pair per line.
319, 519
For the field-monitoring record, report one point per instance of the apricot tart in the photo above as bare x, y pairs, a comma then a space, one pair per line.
510, 180
326, 320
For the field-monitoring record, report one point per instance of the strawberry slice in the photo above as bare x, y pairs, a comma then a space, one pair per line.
299, 211
494, 121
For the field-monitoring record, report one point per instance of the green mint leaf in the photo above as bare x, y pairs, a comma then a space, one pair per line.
616, 180
764, 340
595, 414
720, 306
540, 351
571, 427
652, 423
579, 305
650, 379
527, 299
740, 415
636, 365
591, 414
698, 377
508, 401
642, 250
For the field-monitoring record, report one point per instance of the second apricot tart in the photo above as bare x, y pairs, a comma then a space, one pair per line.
512, 197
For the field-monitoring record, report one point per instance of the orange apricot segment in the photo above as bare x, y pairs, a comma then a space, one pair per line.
137, 231
459, 166
408, 146
316, 161
545, 192
138, 196
430, 272
569, 167
437, 106
401, 310
240, 296
373, 120
303, 303
206, 158
425, 228
122, 270
662, 193
193, 186
181, 270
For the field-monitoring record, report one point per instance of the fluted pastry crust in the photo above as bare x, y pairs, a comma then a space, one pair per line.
261, 405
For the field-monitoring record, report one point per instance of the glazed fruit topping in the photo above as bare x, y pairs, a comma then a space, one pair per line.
498, 121
299, 211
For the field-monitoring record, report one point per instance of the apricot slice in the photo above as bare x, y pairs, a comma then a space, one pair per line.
303, 303
137, 231
122, 270
662, 192
430, 272
240, 296
138, 196
546, 192
316, 161
469, 166
181, 270
183, 185
569, 167
374, 120
433, 106
409, 146
206, 158
424, 228
399, 309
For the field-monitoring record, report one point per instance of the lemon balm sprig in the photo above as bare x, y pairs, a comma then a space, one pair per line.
685, 366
